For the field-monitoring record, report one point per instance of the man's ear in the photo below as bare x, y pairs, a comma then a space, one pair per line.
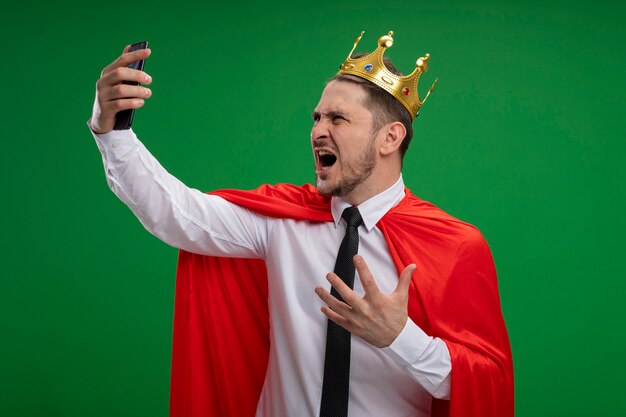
395, 132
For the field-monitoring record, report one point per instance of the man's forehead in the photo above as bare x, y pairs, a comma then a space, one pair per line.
340, 97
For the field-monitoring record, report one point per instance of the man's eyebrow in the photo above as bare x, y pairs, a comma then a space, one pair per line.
329, 114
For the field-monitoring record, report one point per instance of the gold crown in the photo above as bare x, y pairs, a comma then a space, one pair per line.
372, 68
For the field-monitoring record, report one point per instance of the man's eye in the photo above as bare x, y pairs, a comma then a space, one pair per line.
338, 119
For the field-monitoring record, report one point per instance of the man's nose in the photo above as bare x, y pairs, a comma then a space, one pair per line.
320, 130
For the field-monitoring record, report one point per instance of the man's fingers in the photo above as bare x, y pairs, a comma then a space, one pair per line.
348, 295
124, 91
120, 74
337, 318
332, 301
122, 104
405, 280
366, 277
127, 58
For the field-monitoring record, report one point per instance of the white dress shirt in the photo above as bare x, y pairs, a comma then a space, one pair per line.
399, 380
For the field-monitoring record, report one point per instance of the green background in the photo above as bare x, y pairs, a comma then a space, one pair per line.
523, 137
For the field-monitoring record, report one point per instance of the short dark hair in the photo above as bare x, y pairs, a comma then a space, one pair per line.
385, 107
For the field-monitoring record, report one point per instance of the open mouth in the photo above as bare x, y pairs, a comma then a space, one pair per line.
326, 159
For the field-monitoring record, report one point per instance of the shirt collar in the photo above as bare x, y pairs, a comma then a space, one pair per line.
372, 209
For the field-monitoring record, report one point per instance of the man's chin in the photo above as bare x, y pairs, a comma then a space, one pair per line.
323, 186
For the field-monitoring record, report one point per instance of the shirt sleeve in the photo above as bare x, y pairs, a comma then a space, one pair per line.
425, 358
178, 215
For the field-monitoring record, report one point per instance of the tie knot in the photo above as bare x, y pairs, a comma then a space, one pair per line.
352, 216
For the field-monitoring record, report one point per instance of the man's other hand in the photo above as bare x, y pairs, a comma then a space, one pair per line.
377, 318
112, 96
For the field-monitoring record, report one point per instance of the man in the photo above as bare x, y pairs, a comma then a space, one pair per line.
414, 336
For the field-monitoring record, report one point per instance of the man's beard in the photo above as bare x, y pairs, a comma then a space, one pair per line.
357, 175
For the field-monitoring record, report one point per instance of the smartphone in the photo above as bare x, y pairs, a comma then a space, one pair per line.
124, 118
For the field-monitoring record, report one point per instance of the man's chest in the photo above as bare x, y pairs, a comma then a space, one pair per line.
300, 254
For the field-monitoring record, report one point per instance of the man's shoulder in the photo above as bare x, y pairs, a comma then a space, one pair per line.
300, 202
421, 216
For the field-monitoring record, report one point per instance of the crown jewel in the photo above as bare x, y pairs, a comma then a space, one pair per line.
372, 68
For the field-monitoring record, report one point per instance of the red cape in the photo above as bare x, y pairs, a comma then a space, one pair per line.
221, 324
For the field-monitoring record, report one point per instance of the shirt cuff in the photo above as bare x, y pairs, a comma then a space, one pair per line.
410, 344
116, 144
425, 358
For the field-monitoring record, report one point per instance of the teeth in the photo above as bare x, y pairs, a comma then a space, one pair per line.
322, 153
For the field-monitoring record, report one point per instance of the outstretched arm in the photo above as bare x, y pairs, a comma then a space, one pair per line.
180, 216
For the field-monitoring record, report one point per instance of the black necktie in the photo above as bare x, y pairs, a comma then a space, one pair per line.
336, 386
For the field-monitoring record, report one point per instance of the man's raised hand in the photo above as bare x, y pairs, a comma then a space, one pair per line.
112, 96
377, 318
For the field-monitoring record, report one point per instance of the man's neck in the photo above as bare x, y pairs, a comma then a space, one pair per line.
373, 208
369, 189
